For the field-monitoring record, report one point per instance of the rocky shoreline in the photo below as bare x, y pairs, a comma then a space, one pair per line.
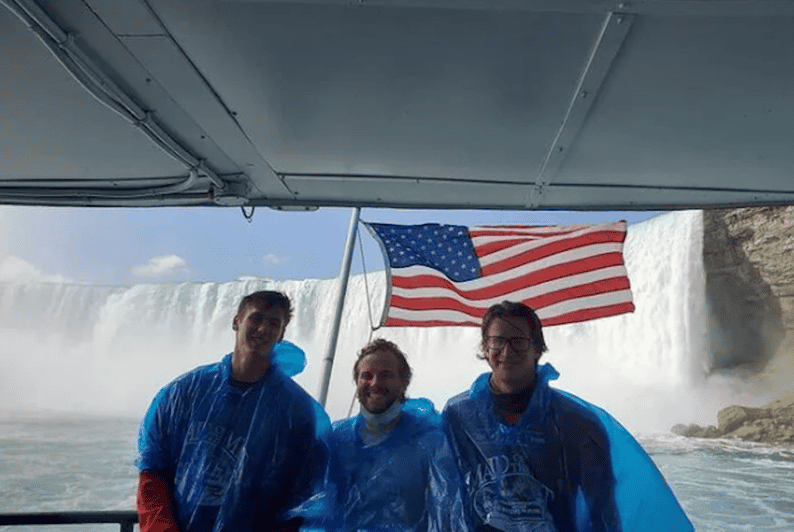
773, 423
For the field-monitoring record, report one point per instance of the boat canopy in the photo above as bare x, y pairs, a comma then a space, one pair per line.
437, 104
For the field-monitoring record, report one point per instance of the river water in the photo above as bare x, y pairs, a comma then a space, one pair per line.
56, 463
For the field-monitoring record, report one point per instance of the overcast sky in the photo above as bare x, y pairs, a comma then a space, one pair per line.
164, 245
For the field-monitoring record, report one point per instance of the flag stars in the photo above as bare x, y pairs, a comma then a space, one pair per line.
446, 248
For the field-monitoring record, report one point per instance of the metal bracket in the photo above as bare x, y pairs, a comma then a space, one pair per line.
248, 216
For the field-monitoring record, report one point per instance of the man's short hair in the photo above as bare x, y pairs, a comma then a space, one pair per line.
513, 309
265, 299
381, 344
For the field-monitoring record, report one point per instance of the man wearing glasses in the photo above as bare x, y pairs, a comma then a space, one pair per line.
533, 458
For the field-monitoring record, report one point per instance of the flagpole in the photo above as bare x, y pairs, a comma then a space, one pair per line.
344, 275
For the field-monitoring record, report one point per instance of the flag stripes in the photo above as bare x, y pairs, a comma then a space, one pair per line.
489, 242
447, 297
554, 316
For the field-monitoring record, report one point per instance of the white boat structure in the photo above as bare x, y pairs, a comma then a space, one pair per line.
416, 104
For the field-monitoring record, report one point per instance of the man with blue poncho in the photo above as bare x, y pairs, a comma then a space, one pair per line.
390, 467
536, 459
235, 445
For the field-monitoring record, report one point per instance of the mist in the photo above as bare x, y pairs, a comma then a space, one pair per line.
75, 348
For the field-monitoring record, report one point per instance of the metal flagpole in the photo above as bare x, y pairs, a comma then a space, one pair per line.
344, 275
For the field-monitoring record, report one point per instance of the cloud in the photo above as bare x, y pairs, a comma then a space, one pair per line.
18, 270
274, 260
159, 266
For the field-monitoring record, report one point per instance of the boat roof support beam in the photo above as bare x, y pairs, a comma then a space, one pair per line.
607, 45
666, 8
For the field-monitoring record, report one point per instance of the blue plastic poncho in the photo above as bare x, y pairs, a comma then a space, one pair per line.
288, 357
566, 465
406, 483
239, 458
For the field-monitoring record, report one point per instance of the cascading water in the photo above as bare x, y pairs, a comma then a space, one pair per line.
83, 348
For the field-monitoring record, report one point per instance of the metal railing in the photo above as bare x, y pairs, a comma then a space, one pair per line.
125, 519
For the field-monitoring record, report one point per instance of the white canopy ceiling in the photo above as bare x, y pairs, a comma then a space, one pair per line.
547, 104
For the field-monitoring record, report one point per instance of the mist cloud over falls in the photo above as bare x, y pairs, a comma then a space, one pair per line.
109, 349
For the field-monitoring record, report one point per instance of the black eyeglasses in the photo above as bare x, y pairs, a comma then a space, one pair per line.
518, 344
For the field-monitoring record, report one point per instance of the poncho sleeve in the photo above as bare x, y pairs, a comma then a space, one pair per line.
643, 499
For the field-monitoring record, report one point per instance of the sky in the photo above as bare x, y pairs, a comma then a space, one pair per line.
168, 245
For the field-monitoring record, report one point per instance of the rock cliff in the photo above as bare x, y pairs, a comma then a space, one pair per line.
748, 257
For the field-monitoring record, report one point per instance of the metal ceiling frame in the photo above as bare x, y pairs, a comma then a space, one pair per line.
254, 182
68, 50
720, 8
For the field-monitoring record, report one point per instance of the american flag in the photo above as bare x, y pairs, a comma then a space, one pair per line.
440, 275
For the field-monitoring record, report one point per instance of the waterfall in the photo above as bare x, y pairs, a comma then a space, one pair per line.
69, 347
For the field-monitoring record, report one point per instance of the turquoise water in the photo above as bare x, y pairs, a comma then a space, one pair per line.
67, 464
78, 463
729, 484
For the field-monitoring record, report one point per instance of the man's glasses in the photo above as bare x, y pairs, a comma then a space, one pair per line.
518, 344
